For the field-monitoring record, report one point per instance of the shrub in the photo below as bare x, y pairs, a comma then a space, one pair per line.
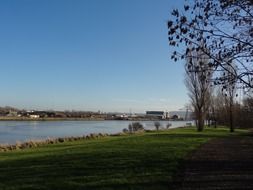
61, 140
135, 126
130, 128
157, 125
168, 125
125, 130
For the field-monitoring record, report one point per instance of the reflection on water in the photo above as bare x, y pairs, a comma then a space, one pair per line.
12, 131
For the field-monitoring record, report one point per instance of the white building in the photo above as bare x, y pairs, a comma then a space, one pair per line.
33, 116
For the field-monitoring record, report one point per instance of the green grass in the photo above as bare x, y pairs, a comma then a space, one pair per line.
141, 161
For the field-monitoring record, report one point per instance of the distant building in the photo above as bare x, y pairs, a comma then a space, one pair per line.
34, 116
121, 117
184, 115
175, 117
12, 114
156, 114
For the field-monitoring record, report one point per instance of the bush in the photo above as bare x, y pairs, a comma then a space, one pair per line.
157, 125
168, 125
125, 130
135, 126
130, 128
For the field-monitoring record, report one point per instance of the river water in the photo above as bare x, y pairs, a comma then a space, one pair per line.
13, 131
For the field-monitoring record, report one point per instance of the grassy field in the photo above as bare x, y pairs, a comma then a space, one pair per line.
140, 161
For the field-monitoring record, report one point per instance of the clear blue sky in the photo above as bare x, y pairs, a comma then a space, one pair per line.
108, 55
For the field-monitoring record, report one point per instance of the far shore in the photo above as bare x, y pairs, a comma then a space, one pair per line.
49, 119
76, 119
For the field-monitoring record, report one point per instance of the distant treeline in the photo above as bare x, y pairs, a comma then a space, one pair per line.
14, 112
11, 113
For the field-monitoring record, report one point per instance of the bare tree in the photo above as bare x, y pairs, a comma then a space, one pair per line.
245, 118
197, 81
219, 104
211, 119
135, 126
242, 111
157, 125
168, 125
230, 92
225, 27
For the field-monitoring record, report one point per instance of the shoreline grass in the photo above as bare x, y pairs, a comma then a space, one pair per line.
37, 143
139, 161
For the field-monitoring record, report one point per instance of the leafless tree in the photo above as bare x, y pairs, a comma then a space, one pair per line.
157, 125
245, 118
225, 27
229, 91
197, 81
219, 104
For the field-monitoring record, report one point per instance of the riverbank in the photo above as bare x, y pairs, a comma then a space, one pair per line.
48, 141
140, 161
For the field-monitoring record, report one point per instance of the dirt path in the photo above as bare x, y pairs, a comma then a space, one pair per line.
220, 164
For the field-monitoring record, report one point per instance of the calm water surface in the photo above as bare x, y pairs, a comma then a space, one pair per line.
13, 131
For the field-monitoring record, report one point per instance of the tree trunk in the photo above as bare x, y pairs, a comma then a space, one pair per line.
200, 121
215, 123
231, 115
